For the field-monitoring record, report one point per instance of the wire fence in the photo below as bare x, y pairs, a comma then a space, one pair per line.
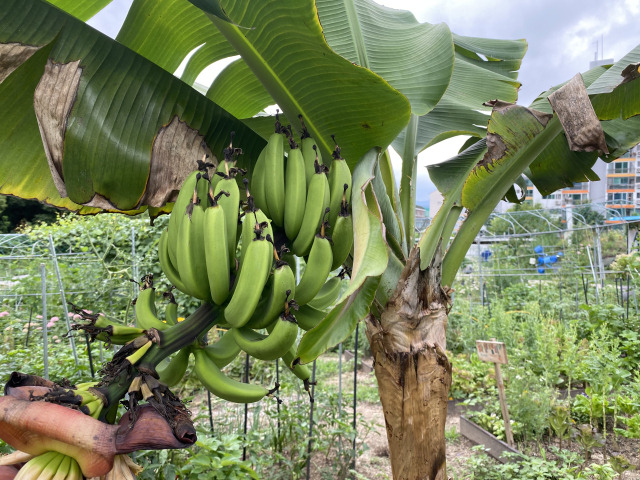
38, 281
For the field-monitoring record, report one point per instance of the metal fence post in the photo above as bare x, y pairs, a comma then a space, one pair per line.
133, 258
45, 345
63, 299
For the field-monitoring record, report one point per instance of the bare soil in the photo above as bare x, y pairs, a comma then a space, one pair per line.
374, 463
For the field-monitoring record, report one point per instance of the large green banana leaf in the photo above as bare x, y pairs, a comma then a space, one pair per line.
119, 132
475, 81
285, 49
165, 31
534, 142
81, 10
334, 96
415, 58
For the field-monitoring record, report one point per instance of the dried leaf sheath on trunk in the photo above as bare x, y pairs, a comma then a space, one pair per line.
408, 343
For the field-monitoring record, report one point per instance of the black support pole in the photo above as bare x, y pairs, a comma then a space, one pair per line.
310, 442
355, 397
246, 409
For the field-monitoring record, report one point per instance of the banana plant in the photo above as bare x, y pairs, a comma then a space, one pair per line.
95, 125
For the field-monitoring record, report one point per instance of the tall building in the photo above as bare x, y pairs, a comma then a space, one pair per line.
623, 187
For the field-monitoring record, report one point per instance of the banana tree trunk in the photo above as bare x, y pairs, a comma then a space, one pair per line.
408, 343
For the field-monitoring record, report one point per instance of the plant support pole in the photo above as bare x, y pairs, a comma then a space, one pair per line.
277, 396
133, 259
26, 343
45, 346
310, 443
246, 409
340, 380
210, 410
63, 299
355, 397
503, 405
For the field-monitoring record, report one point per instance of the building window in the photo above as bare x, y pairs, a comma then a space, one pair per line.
617, 197
619, 167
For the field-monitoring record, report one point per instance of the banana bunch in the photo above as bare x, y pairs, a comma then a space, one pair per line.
145, 308
123, 469
100, 327
92, 402
197, 250
50, 466
232, 253
302, 196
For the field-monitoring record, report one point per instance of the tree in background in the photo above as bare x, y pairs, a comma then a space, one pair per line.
17, 212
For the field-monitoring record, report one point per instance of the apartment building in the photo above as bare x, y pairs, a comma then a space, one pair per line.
618, 189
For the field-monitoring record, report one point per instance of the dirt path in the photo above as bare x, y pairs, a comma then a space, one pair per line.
374, 463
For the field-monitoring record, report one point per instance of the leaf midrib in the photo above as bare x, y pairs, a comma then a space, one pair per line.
356, 33
269, 78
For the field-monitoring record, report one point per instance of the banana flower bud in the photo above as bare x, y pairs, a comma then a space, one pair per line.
35, 427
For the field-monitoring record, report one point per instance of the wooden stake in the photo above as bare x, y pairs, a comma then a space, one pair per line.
503, 405
496, 353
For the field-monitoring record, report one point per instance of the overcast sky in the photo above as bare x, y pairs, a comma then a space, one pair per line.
563, 37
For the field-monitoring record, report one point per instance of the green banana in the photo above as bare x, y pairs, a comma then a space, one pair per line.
51, 466
85, 385
222, 386
171, 371
106, 330
177, 213
222, 170
118, 338
308, 317
217, 251
268, 347
328, 294
192, 269
257, 182
342, 238
315, 209
35, 467
171, 310
283, 287
274, 190
75, 473
230, 206
317, 269
197, 250
223, 351
295, 196
339, 184
202, 189
250, 281
224, 167
63, 469
167, 265
301, 371
254, 220
146, 314
116, 327
310, 152
138, 353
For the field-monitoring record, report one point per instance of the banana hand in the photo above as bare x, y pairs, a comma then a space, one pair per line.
171, 372
222, 386
317, 269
